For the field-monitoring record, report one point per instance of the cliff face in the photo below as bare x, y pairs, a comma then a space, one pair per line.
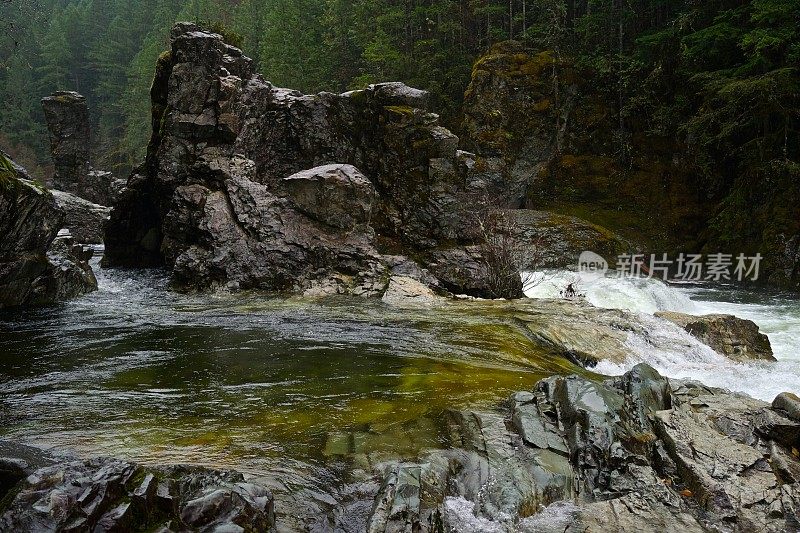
546, 137
220, 202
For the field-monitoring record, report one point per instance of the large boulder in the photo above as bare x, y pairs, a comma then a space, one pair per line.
84, 219
113, 495
634, 453
36, 267
337, 195
404, 291
250, 185
733, 337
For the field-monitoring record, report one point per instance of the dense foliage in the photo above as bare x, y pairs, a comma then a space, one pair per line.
721, 74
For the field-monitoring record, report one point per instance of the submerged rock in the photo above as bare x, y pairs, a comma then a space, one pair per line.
250, 185
36, 267
634, 453
112, 495
733, 337
84, 219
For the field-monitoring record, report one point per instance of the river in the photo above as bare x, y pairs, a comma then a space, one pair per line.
300, 393
281, 389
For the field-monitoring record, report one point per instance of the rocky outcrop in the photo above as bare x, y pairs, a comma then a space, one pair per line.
247, 185
247, 237
634, 453
67, 117
546, 135
733, 337
540, 130
36, 266
112, 495
82, 218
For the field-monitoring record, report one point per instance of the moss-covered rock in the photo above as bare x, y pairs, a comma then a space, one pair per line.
546, 135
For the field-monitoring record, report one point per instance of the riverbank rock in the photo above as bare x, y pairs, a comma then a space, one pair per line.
733, 337
408, 291
634, 453
36, 266
247, 185
112, 495
84, 219
67, 117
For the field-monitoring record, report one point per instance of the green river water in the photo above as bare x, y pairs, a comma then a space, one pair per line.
262, 385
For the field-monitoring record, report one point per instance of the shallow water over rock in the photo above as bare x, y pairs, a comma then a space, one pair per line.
282, 389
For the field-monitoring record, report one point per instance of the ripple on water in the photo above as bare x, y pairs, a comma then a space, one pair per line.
246, 381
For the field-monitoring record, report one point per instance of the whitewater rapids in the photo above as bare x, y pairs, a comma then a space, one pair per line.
677, 355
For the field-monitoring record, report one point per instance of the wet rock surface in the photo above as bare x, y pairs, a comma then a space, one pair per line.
85, 220
247, 185
112, 495
634, 453
733, 337
36, 266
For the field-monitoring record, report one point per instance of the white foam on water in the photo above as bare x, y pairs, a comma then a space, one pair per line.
632, 294
672, 351
461, 517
